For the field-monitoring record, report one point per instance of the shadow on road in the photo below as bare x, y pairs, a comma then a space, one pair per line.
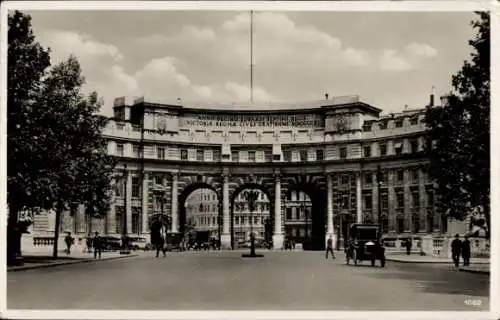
436, 279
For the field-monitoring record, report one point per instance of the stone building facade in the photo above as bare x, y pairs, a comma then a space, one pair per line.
328, 150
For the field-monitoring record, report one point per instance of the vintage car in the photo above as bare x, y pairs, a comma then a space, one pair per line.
363, 243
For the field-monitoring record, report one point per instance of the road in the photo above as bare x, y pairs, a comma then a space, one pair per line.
225, 281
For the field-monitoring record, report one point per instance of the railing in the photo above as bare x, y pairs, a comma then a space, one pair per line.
43, 241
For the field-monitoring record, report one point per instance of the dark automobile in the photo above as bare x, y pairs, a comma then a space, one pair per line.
364, 244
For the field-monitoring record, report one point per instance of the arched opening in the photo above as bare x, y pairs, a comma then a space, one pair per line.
314, 216
200, 214
260, 221
298, 218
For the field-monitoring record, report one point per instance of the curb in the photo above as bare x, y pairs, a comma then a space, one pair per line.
430, 261
474, 271
63, 263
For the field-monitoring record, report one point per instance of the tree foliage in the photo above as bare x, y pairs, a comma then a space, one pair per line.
459, 132
57, 154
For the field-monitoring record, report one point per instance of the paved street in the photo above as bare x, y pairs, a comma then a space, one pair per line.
224, 280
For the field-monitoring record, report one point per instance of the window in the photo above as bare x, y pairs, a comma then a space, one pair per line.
413, 120
368, 178
383, 125
430, 198
385, 224
383, 149
119, 223
287, 155
119, 149
184, 154
236, 220
415, 199
303, 155
368, 202
251, 156
298, 215
136, 188
235, 156
135, 223
399, 122
400, 200
216, 155
161, 153
398, 148
400, 175
319, 155
413, 146
255, 220
385, 200
135, 150
158, 180
289, 213
367, 126
416, 224
199, 155
345, 202
367, 151
414, 175
343, 152
400, 224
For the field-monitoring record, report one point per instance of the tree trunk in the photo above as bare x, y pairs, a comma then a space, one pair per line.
59, 210
13, 236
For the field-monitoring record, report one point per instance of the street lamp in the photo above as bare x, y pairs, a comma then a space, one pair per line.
251, 197
124, 248
379, 183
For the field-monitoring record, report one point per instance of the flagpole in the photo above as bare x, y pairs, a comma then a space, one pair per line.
251, 56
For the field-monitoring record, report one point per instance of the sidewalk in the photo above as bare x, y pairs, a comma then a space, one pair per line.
403, 258
36, 260
477, 268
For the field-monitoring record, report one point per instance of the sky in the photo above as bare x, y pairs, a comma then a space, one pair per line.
389, 59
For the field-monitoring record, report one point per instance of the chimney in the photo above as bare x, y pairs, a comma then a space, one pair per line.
431, 101
326, 96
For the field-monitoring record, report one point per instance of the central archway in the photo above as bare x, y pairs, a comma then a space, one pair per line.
316, 214
268, 224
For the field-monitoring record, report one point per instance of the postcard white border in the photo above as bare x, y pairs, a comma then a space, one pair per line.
396, 6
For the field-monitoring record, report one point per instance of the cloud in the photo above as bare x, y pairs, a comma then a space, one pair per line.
293, 62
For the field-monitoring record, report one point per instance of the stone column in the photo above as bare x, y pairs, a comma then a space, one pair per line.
408, 213
278, 234
128, 208
175, 199
145, 213
359, 213
226, 221
111, 216
330, 231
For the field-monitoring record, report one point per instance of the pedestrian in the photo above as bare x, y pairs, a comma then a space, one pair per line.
293, 245
466, 251
69, 242
97, 243
89, 243
408, 246
456, 247
329, 248
160, 245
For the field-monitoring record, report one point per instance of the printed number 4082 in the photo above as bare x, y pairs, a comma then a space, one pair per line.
473, 302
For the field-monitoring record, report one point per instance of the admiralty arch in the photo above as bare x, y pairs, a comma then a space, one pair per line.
329, 150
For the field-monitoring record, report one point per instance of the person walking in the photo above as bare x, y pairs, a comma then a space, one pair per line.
88, 242
160, 245
456, 247
69, 242
408, 245
97, 244
466, 251
329, 248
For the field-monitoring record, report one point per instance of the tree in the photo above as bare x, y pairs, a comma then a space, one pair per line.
26, 65
80, 171
459, 133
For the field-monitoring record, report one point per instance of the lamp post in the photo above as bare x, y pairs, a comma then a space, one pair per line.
379, 183
125, 249
251, 197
